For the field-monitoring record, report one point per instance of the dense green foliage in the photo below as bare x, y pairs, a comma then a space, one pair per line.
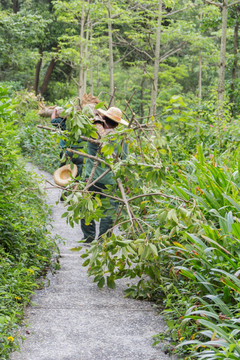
180, 221
50, 33
41, 147
25, 244
183, 247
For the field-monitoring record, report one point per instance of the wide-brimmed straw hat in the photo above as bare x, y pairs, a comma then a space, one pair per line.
114, 114
64, 174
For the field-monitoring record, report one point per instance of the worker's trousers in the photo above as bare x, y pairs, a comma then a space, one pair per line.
106, 223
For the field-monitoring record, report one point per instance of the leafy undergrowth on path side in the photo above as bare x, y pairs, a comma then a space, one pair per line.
182, 245
207, 326
41, 147
186, 258
26, 247
189, 264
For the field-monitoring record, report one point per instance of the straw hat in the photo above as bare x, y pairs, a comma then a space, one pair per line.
114, 114
64, 174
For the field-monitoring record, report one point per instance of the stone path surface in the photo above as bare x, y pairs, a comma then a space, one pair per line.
71, 319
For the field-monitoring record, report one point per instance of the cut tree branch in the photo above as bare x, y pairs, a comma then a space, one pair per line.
94, 168
83, 191
89, 156
96, 180
125, 200
137, 221
150, 142
85, 138
49, 128
159, 194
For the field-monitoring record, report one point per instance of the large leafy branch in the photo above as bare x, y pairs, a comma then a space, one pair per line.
138, 177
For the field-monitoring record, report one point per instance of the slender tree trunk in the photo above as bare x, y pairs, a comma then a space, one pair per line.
235, 62
142, 97
16, 6
37, 72
85, 66
222, 62
200, 78
156, 62
111, 65
200, 69
98, 78
81, 55
47, 77
91, 63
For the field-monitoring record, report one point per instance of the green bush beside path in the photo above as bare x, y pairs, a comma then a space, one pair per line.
26, 246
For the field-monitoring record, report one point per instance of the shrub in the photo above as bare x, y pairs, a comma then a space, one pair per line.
26, 246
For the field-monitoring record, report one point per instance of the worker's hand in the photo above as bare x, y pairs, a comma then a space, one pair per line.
54, 114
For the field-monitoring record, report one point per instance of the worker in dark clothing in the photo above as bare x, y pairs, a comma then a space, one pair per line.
105, 124
61, 123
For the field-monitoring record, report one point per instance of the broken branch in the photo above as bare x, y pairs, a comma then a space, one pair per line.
89, 156
120, 185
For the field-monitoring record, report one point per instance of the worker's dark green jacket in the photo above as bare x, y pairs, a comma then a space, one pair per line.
77, 160
60, 123
92, 149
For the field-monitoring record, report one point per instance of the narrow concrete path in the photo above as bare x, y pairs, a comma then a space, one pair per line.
71, 319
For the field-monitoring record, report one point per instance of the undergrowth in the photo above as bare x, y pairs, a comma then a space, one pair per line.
26, 247
183, 250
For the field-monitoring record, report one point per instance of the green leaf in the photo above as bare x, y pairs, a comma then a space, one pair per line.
172, 215
86, 262
224, 308
110, 282
200, 154
214, 328
101, 282
236, 205
154, 249
100, 105
78, 248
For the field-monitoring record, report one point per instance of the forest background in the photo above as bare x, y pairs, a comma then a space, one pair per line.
173, 67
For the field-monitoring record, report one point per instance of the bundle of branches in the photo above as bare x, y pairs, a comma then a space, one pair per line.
87, 99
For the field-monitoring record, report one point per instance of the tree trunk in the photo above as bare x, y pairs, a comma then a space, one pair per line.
91, 63
142, 97
200, 78
222, 62
85, 66
156, 62
110, 41
16, 6
80, 79
47, 77
37, 72
200, 69
98, 66
235, 62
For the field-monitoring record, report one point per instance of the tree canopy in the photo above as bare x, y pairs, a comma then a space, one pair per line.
173, 68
